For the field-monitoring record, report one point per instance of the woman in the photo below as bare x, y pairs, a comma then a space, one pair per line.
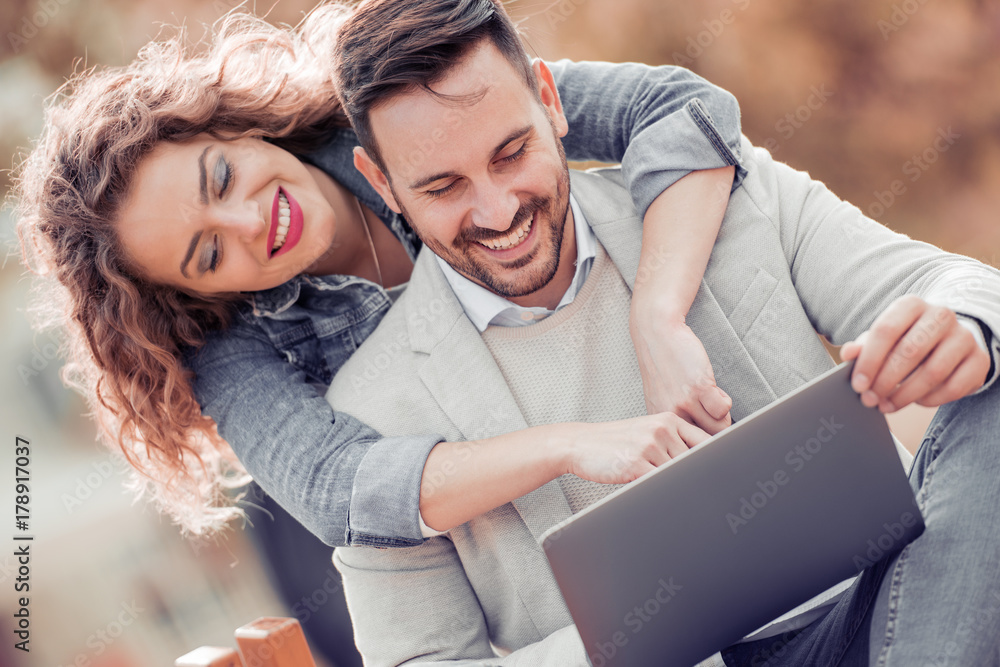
203, 322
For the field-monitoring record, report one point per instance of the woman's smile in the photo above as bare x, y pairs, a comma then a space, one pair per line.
213, 216
286, 224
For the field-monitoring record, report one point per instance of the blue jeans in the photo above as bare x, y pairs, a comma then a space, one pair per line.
936, 603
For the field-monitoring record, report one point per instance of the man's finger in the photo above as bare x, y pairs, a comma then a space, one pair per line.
932, 373
850, 349
914, 348
882, 337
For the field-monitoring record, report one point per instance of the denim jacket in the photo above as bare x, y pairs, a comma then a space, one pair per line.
264, 378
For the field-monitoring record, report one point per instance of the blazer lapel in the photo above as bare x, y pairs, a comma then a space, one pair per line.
613, 218
462, 376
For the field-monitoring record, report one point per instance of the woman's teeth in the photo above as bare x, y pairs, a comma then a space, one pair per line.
284, 218
511, 240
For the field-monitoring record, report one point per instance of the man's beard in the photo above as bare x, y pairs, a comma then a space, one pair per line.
530, 272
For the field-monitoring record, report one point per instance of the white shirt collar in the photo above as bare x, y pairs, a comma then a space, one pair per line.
484, 307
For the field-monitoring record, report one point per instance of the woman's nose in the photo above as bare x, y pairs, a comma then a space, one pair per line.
245, 221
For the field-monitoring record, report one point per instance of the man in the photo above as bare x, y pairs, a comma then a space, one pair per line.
490, 195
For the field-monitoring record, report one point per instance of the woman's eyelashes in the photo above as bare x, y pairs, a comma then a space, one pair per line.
211, 255
216, 253
224, 174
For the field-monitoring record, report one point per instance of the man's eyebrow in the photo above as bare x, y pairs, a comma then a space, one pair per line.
513, 136
204, 176
190, 252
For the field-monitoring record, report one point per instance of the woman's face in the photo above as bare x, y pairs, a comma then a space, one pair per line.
214, 216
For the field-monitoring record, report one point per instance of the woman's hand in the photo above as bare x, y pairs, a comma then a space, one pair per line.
620, 452
676, 373
679, 232
461, 480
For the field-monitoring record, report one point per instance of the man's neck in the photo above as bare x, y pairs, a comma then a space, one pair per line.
550, 295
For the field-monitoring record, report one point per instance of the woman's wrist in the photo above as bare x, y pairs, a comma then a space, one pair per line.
558, 442
660, 311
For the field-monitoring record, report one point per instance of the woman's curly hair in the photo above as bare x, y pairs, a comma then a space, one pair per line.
121, 335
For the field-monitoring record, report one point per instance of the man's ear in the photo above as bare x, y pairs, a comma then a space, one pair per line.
378, 180
549, 95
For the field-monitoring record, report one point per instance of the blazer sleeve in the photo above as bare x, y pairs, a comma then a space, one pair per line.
848, 268
416, 606
660, 123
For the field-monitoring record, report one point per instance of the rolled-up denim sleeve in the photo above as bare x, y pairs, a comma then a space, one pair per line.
660, 123
330, 471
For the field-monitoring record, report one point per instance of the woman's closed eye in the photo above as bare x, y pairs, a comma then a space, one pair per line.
216, 255
212, 255
224, 176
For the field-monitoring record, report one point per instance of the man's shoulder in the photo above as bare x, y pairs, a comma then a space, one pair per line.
388, 358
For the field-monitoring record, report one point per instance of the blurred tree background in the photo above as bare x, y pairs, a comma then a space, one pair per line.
895, 104
856, 92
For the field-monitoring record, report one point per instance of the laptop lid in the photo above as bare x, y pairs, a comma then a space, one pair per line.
751, 523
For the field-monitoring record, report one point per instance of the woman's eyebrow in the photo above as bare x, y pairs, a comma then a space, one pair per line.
190, 252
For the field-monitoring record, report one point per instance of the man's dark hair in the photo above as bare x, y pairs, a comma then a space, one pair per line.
388, 47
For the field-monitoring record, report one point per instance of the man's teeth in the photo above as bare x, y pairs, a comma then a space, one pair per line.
284, 218
513, 239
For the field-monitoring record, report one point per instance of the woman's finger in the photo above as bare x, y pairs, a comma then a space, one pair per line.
716, 403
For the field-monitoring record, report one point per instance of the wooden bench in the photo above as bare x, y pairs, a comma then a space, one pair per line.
267, 642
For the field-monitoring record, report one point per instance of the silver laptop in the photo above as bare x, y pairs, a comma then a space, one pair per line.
760, 518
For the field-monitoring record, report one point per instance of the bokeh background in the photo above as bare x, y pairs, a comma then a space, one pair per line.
854, 91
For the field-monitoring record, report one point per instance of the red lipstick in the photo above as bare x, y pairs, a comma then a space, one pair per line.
294, 226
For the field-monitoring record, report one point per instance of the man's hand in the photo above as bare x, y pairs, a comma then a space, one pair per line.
915, 352
676, 373
622, 451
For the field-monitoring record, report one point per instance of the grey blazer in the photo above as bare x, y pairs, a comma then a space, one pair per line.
791, 259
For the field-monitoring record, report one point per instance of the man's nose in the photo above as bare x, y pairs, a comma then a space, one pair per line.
494, 207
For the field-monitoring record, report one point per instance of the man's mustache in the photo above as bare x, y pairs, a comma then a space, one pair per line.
525, 211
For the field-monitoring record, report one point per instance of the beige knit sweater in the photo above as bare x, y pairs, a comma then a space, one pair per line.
577, 365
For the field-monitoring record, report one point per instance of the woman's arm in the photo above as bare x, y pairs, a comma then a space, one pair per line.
677, 238
660, 123
302, 453
663, 123
462, 480
312, 460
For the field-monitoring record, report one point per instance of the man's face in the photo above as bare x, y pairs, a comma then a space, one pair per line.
484, 180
